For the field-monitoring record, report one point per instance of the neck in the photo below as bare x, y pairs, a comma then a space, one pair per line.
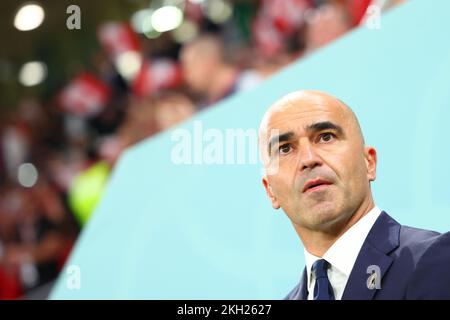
222, 81
317, 242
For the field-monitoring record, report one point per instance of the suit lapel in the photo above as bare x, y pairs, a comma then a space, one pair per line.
382, 239
300, 292
303, 290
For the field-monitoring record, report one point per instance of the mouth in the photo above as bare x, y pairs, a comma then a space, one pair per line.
315, 185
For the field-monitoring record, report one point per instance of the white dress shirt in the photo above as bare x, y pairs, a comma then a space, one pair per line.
342, 255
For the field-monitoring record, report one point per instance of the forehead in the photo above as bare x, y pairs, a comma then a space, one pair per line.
296, 115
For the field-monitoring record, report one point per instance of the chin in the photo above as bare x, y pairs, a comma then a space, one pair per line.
323, 216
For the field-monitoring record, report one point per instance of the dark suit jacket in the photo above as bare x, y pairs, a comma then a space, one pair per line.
414, 264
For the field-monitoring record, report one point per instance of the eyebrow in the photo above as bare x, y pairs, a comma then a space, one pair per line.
324, 125
315, 127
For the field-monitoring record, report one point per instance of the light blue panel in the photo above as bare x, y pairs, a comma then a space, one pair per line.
166, 231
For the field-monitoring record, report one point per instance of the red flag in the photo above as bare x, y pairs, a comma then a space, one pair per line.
117, 38
267, 37
286, 15
156, 75
85, 96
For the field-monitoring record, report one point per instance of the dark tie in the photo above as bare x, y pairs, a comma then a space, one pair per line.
322, 288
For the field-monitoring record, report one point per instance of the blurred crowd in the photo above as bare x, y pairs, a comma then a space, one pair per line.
56, 154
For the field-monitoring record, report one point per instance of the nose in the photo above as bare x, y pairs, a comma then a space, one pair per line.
307, 156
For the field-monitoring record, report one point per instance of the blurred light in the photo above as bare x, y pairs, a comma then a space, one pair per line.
176, 3
185, 32
152, 34
197, 1
167, 18
141, 20
32, 73
27, 175
148, 29
29, 17
218, 11
128, 64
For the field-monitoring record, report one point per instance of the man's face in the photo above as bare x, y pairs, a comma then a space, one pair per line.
171, 111
323, 167
197, 67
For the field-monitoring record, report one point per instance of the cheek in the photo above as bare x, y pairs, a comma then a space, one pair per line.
283, 185
352, 172
345, 160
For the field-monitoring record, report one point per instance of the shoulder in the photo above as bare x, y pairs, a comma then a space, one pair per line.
403, 243
430, 279
416, 241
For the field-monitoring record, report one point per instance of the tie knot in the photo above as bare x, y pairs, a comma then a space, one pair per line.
320, 268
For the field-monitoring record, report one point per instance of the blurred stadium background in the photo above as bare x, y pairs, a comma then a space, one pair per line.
72, 100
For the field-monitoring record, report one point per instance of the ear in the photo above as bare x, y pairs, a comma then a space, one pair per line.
370, 155
270, 194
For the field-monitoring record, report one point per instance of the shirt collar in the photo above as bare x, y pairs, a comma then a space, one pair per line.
344, 251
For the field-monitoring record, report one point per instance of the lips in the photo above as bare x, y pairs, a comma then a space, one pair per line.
315, 184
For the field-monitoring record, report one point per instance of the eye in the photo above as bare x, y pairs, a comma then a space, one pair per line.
326, 137
285, 148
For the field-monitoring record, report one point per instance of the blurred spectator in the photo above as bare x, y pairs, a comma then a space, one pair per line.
172, 108
139, 122
15, 144
325, 24
207, 71
36, 235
